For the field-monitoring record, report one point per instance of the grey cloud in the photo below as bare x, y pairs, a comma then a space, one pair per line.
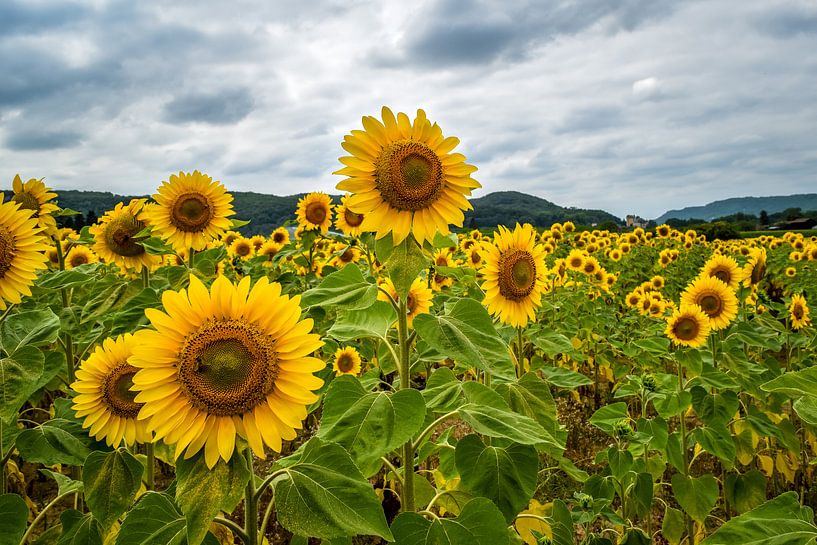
786, 21
18, 17
35, 140
218, 108
591, 119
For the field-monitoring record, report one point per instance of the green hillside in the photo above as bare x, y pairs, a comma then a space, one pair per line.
509, 207
742, 205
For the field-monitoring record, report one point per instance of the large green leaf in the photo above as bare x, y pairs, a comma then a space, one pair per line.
531, 397
564, 378
608, 416
56, 441
29, 328
673, 526
373, 321
13, 517
202, 493
467, 335
404, 264
321, 493
345, 288
18, 379
506, 476
79, 529
111, 480
795, 383
495, 422
551, 342
65, 484
155, 520
747, 491
443, 391
369, 424
479, 523
780, 521
717, 440
696, 495
714, 409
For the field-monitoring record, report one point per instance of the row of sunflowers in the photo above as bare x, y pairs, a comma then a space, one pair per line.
366, 370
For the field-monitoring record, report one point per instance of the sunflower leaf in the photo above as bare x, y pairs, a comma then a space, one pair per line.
479, 523
13, 517
111, 480
155, 520
18, 379
405, 263
29, 328
56, 441
321, 493
344, 288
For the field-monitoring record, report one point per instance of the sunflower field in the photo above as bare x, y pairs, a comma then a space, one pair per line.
374, 373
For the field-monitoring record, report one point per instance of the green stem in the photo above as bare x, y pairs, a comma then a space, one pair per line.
685, 453
520, 362
267, 514
145, 277
41, 515
236, 529
190, 256
430, 428
250, 505
405, 382
151, 462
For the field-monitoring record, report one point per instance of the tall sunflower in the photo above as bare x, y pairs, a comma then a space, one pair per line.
724, 268
347, 221
115, 236
22, 252
104, 398
715, 298
418, 300
226, 361
755, 268
514, 273
315, 212
35, 196
403, 177
193, 210
688, 326
799, 312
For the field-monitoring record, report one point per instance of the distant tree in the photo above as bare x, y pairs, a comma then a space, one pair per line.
472, 224
792, 213
764, 217
90, 218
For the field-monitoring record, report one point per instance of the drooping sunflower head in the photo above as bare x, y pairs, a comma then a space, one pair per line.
104, 397
35, 196
225, 361
80, 255
347, 361
193, 210
688, 326
22, 252
347, 221
403, 177
799, 312
724, 268
715, 298
115, 236
315, 212
514, 273
755, 268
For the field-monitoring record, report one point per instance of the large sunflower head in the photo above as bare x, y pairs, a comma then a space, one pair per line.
315, 212
688, 326
34, 195
225, 361
419, 298
22, 252
715, 298
104, 397
404, 178
347, 361
193, 210
79, 255
755, 268
115, 236
347, 221
799, 312
514, 273
724, 268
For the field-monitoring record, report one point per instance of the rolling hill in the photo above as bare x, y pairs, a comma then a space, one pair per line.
745, 205
509, 207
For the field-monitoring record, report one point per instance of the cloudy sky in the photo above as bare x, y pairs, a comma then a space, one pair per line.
630, 106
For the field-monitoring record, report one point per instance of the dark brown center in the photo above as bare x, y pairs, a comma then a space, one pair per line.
117, 394
517, 274
409, 175
119, 235
191, 213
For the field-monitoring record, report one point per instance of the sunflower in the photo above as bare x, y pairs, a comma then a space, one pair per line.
590, 265
315, 212
22, 252
724, 268
755, 268
231, 360
475, 257
799, 312
657, 282
35, 196
347, 221
575, 260
444, 257
663, 230
715, 298
791, 272
280, 236
615, 254
192, 210
104, 397
514, 274
568, 227
404, 178
79, 255
688, 326
347, 362
419, 299
257, 241
269, 250
345, 255
229, 237
241, 248
114, 236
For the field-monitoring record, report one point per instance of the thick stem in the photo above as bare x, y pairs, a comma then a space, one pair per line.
405, 382
151, 462
520, 358
251, 505
683, 427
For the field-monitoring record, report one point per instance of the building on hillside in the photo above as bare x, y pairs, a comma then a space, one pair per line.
796, 224
636, 221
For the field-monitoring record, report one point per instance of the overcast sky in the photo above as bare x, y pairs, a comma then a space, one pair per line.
629, 106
